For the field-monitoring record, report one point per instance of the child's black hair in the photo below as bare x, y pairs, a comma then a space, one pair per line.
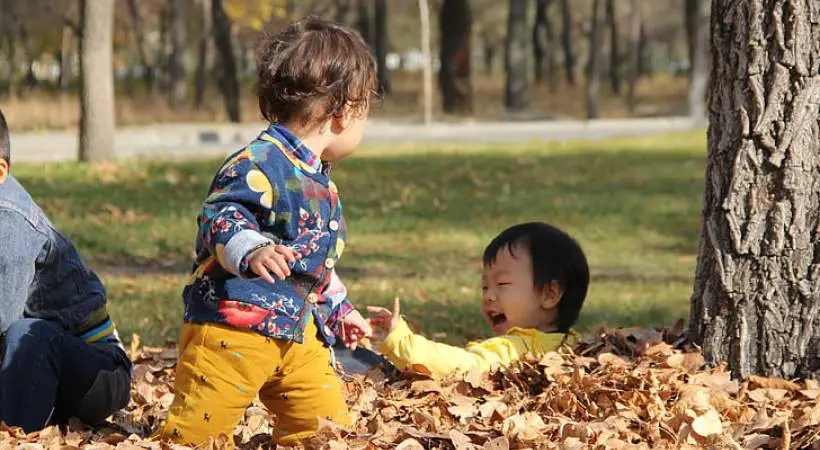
5, 141
555, 257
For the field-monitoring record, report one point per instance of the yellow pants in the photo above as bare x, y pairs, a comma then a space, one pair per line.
222, 369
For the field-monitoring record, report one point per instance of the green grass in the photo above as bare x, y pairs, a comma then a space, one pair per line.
419, 217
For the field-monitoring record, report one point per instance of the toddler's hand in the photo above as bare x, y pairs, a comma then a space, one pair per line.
385, 320
272, 259
354, 327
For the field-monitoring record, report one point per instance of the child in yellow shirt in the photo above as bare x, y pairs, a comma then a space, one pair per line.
534, 282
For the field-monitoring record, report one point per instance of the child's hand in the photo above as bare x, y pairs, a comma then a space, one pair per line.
385, 320
272, 259
354, 327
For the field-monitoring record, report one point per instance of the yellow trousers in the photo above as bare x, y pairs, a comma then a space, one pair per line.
222, 369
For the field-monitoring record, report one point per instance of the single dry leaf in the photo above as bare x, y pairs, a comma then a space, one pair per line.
608, 359
773, 383
707, 424
499, 443
425, 386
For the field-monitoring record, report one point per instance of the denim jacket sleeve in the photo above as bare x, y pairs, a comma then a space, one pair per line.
22, 245
229, 223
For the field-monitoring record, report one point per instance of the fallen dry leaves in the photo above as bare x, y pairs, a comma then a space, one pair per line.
617, 389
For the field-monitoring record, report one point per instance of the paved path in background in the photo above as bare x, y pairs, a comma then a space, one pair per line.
199, 140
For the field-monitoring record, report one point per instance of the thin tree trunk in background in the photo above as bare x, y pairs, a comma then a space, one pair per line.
455, 77
540, 39
566, 41
363, 21
636, 10
593, 66
11, 60
65, 59
344, 12
643, 52
614, 48
381, 42
97, 99
515, 94
161, 63
427, 56
690, 12
698, 75
203, 51
756, 297
229, 79
139, 36
176, 66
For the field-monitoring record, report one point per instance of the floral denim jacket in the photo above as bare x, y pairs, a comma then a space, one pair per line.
275, 190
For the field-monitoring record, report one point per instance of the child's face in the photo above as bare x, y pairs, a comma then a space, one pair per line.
347, 131
510, 298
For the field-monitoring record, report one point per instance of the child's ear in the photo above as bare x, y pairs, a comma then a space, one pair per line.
4, 170
341, 120
552, 295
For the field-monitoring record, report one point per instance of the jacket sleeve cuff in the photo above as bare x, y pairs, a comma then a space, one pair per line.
238, 248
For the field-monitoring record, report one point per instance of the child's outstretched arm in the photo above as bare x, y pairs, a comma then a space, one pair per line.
229, 223
345, 320
412, 352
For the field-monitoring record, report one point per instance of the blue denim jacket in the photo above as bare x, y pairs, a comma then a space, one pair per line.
42, 275
273, 190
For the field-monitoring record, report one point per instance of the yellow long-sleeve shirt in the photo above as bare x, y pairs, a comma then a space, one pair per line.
409, 351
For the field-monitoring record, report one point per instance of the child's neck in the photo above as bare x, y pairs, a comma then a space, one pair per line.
314, 137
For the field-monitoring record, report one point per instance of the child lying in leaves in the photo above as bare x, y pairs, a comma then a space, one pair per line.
534, 282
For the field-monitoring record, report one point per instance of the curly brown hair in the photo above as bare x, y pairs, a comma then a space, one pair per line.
311, 70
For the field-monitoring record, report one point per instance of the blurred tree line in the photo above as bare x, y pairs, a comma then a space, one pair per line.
177, 51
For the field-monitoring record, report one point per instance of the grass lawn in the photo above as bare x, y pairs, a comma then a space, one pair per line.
419, 217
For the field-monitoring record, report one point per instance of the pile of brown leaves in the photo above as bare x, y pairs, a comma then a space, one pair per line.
620, 388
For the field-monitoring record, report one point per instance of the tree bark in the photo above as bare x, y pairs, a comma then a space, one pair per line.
427, 56
343, 12
644, 66
97, 97
363, 21
614, 48
699, 51
176, 67
65, 58
566, 42
139, 35
455, 22
593, 67
541, 40
636, 21
229, 78
515, 98
381, 44
203, 52
756, 299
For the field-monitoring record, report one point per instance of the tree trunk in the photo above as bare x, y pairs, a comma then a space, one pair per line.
229, 79
489, 58
614, 48
139, 35
636, 10
65, 59
203, 51
541, 39
97, 97
566, 42
644, 68
698, 76
363, 21
381, 45
455, 22
756, 299
515, 98
690, 13
593, 66
427, 56
343, 12
176, 66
